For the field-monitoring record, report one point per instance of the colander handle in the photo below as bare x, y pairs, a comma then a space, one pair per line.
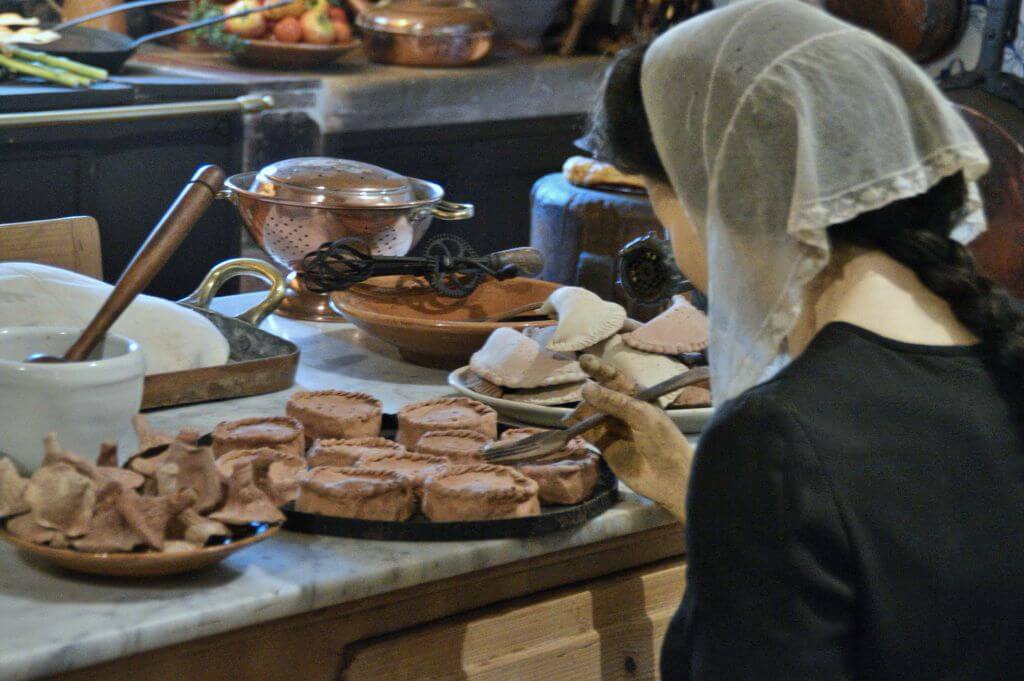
449, 210
236, 267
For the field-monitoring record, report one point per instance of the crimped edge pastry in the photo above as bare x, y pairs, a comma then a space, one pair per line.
347, 451
422, 466
410, 430
470, 442
680, 329
446, 500
584, 319
511, 359
345, 492
328, 425
224, 440
566, 481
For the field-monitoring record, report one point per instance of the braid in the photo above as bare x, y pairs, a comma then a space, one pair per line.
915, 232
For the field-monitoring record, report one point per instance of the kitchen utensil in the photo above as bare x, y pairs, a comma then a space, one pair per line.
293, 207
992, 102
449, 264
85, 403
687, 420
271, 54
432, 330
110, 50
924, 29
648, 272
426, 32
418, 528
537, 447
141, 564
165, 238
259, 362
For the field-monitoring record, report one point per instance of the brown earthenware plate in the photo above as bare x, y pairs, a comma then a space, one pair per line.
145, 563
271, 54
430, 329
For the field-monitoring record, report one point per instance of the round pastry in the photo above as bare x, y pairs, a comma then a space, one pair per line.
277, 432
447, 413
565, 481
277, 472
574, 445
416, 467
345, 452
336, 414
355, 493
479, 491
458, 446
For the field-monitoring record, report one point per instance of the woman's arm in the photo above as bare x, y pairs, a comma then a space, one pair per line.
770, 592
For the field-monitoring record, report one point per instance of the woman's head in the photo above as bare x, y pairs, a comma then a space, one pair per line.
773, 121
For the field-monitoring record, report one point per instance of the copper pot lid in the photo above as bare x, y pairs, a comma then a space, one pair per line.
427, 18
333, 183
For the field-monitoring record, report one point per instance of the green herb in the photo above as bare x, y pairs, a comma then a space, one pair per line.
215, 34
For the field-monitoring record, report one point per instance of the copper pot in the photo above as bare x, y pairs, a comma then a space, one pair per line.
292, 207
426, 32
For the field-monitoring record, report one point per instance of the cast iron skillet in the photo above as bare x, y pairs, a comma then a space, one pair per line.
110, 50
992, 103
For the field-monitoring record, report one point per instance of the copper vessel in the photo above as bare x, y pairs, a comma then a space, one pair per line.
426, 32
292, 207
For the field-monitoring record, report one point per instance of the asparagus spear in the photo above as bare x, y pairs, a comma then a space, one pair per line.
90, 72
40, 71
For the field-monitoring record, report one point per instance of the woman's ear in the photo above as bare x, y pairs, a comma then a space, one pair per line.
687, 246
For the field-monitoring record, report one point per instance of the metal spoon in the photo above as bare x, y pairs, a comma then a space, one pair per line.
165, 238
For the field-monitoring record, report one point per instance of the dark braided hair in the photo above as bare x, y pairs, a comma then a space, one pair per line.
914, 231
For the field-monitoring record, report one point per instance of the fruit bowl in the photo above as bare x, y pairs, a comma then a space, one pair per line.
429, 329
273, 54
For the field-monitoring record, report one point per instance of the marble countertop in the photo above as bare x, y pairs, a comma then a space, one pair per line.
53, 621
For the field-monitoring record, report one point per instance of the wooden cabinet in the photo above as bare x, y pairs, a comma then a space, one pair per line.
608, 629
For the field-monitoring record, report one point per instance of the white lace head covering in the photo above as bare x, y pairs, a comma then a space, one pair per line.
774, 120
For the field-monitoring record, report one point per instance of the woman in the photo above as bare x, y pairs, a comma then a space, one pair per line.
860, 513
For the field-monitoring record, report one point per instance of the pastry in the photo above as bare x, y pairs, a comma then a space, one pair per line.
336, 414
565, 481
110, 531
514, 360
458, 446
680, 329
347, 452
149, 516
447, 413
196, 471
587, 172
246, 502
282, 433
355, 493
12, 490
583, 319
276, 473
692, 396
62, 499
100, 475
197, 530
646, 369
576, 444
415, 467
551, 395
479, 384
479, 491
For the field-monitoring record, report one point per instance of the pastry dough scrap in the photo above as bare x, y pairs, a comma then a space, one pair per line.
679, 329
645, 368
512, 360
583, 319
12, 490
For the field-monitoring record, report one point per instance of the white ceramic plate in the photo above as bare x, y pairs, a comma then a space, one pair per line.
687, 420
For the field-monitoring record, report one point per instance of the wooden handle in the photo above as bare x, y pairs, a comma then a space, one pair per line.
165, 238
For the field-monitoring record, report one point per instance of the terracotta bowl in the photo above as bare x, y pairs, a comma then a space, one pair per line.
429, 329
270, 54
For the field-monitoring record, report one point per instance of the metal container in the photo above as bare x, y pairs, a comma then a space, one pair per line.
426, 32
292, 207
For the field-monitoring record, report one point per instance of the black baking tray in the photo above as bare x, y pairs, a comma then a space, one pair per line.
419, 528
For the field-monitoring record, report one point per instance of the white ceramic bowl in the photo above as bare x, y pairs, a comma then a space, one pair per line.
85, 403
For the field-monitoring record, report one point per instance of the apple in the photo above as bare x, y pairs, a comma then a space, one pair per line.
293, 9
288, 30
251, 25
342, 31
316, 26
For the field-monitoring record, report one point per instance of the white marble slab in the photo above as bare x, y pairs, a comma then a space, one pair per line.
53, 621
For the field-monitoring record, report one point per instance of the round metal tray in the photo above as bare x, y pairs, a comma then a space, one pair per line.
419, 528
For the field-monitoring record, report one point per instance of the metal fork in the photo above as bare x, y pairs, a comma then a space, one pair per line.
538, 447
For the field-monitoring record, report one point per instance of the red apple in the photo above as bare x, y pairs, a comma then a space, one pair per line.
316, 27
288, 30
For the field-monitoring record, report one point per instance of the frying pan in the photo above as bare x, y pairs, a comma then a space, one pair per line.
924, 29
992, 103
110, 50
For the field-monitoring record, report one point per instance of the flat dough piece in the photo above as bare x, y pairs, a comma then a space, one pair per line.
512, 360
583, 319
173, 338
587, 172
645, 368
556, 394
680, 329
692, 397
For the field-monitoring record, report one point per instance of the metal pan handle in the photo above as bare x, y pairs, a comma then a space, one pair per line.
449, 210
236, 267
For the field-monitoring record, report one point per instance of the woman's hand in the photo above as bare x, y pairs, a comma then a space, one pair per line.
640, 443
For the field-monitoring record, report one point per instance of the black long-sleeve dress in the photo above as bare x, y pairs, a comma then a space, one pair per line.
859, 516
